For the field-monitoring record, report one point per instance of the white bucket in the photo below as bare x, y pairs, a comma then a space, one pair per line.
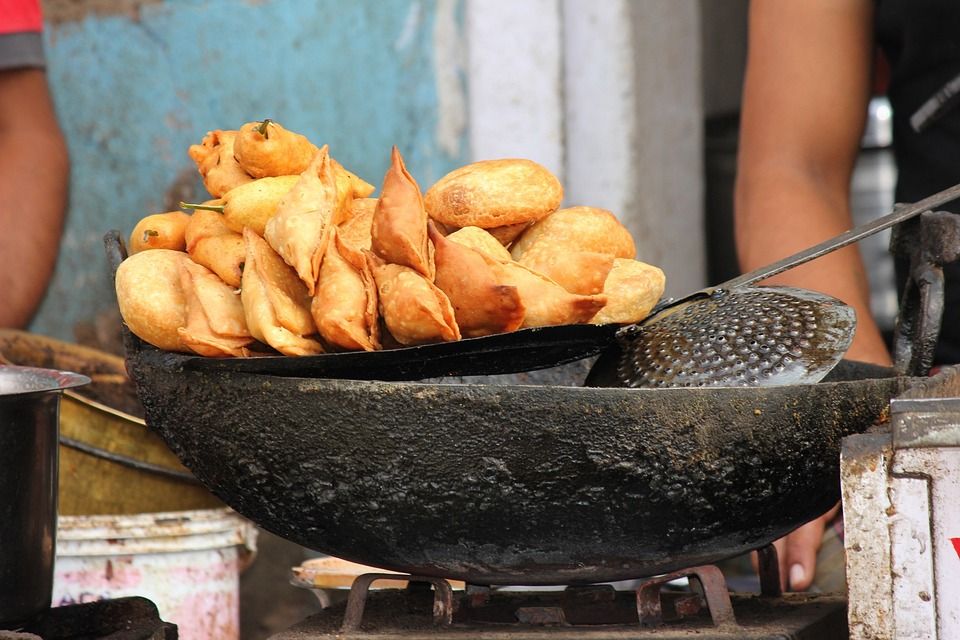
187, 562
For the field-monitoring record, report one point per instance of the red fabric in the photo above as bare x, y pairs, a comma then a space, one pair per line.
956, 545
17, 16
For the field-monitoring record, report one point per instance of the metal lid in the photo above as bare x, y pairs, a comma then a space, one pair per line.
16, 380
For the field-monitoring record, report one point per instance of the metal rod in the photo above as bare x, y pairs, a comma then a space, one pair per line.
127, 461
768, 570
900, 214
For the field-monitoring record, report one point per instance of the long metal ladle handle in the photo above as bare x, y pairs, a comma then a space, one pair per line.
846, 238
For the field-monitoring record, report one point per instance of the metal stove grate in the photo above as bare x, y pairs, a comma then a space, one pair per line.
429, 609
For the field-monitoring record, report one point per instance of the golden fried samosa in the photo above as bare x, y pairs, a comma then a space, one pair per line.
356, 230
151, 299
481, 304
546, 302
215, 161
275, 302
214, 245
264, 149
507, 233
216, 326
345, 305
399, 228
349, 188
633, 288
494, 193
576, 229
582, 272
479, 240
159, 231
414, 310
300, 229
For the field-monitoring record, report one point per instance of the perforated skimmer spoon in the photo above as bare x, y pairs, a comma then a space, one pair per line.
737, 335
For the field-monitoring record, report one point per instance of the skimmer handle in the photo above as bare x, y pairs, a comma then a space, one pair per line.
900, 214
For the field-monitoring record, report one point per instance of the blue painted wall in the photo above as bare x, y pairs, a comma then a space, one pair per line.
134, 88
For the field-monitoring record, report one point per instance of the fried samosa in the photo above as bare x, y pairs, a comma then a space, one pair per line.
494, 193
215, 246
215, 161
479, 240
481, 304
300, 229
576, 229
265, 149
345, 305
399, 227
349, 188
275, 302
356, 230
582, 272
159, 231
633, 288
414, 310
216, 326
507, 233
151, 299
546, 302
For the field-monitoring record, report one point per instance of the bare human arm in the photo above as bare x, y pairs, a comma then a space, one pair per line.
804, 103
34, 175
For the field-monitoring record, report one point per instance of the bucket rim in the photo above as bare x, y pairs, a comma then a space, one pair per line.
144, 525
154, 533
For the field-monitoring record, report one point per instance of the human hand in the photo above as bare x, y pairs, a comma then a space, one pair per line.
797, 552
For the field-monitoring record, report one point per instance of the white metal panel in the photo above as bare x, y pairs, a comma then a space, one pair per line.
935, 513
911, 555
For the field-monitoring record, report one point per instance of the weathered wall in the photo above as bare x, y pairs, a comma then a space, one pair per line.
136, 82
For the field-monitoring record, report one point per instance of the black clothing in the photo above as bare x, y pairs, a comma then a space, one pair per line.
920, 40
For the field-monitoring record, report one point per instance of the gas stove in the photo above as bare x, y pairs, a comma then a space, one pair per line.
657, 608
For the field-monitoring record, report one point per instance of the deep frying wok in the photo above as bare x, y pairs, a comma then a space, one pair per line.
510, 484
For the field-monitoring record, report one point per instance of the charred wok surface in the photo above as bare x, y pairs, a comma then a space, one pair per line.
511, 484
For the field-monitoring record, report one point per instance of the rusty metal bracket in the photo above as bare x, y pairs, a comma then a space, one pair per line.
650, 608
926, 245
768, 570
357, 600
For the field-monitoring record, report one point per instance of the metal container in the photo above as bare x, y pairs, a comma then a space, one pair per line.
29, 425
110, 462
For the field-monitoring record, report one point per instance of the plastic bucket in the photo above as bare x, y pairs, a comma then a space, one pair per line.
110, 462
187, 562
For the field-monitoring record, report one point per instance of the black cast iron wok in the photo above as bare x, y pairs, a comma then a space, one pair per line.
510, 484
501, 484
